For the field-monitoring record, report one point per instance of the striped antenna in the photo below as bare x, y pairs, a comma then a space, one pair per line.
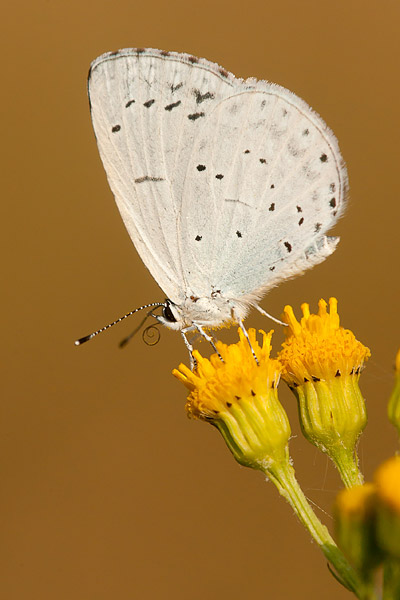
86, 338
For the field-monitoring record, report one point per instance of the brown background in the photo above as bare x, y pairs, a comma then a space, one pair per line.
107, 490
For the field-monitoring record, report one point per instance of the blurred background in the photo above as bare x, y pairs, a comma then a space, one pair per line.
108, 491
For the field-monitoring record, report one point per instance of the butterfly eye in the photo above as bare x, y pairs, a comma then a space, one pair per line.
168, 314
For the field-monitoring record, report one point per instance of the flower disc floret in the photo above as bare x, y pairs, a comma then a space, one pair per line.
215, 385
238, 395
317, 347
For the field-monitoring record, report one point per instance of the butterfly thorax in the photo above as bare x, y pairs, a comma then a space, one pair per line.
212, 311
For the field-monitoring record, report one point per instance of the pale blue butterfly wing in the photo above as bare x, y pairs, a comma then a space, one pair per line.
271, 181
147, 109
226, 186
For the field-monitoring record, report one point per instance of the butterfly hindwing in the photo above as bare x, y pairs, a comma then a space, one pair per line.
271, 182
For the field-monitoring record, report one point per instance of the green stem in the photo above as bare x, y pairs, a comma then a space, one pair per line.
282, 475
347, 464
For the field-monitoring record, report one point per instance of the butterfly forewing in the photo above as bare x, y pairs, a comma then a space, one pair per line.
147, 109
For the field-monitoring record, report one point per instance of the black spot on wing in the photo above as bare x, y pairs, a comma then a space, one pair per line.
148, 178
201, 167
332, 187
238, 234
272, 268
202, 97
301, 221
299, 209
198, 238
128, 104
288, 246
272, 186
323, 158
176, 87
306, 132
247, 152
194, 116
169, 107
219, 176
317, 227
116, 128
263, 161
148, 103
272, 207
332, 202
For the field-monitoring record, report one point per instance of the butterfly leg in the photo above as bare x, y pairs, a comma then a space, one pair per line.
193, 362
246, 335
209, 339
263, 312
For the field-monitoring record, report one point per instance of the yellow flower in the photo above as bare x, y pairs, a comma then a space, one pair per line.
318, 347
394, 401
354, 512
321, 363
358, 502
387, 480
239, 397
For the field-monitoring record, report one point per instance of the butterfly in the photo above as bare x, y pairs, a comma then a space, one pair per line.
226, 186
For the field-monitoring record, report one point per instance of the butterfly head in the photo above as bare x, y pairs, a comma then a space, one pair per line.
171, 316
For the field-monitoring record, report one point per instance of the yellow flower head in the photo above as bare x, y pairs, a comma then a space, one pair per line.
318, 347
355, 512
358, 502
321, 364
387, 480
239, 397
216, 385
